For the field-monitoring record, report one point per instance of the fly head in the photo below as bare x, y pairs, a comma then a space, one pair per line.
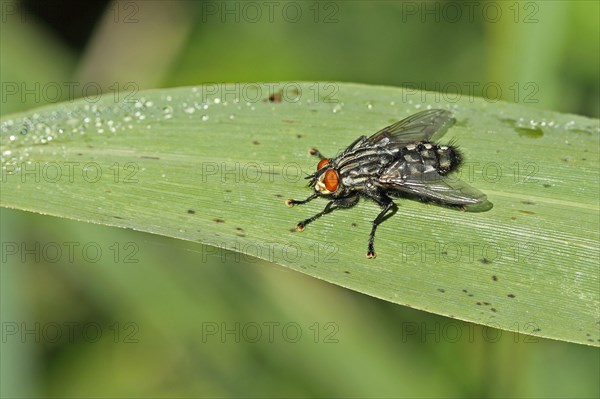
326, 180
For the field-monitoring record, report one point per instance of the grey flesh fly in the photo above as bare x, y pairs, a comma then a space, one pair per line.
399, 161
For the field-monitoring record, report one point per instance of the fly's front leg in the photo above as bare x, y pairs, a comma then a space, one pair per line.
316, 153
339, 203
387, 204
291, 202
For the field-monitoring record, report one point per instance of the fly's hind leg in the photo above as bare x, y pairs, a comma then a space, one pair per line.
340, 203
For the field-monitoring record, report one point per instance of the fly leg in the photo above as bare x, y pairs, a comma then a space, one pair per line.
346, 202
316, 153
387, 204
291, 202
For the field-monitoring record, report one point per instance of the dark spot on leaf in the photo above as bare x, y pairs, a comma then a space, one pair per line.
537, 330
289, 121
528, 202
149, 157
218, 220
275, 97
239, 229
590, 340
470, 295
495, 278
347, 272
465, 291
527, 212
292, 230
511, 295
299, 136
513, 218
240, 234
117, 217
547, 185
191, 211
354, 225
485, 261
255, 142
278, 195
478, 303
441, 290
493, 310
227, 190
487, 303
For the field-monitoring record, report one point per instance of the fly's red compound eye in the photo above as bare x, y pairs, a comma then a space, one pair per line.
331, 180
322, 163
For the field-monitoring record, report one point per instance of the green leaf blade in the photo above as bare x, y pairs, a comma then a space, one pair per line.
215, 166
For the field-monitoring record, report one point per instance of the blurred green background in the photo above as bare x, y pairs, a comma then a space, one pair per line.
152, 316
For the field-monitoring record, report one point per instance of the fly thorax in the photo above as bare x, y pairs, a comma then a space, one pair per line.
363, 163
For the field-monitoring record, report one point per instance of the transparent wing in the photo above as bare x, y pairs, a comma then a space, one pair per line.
427, 125
425, 183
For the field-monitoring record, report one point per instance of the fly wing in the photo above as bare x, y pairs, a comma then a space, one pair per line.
427, 125
424, 182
